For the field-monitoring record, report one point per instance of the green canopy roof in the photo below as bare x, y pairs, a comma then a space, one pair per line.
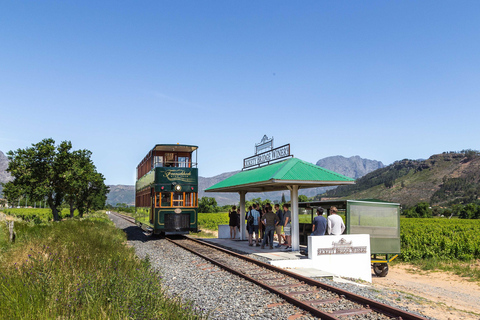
279, 175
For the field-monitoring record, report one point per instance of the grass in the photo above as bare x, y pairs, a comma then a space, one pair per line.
81, 269
36, 215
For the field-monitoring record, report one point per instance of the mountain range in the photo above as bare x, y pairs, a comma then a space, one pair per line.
443, 179
353, 167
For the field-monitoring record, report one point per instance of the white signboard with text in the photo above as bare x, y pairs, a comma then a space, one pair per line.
347, 255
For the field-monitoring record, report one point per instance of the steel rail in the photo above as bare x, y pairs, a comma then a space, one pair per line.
368, 303
314, 311
123, 216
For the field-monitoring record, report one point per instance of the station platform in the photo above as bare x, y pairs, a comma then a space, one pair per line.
293, 260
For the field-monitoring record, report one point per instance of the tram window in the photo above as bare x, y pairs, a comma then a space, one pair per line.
178, 199
157, 199
158, 161
183, 162
166, 197
190, 199
169, 159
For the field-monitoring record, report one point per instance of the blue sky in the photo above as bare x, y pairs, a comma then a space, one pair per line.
384, 80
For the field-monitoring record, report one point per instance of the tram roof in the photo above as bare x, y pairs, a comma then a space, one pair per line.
175, 147
280, 175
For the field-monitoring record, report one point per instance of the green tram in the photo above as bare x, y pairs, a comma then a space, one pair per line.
166, 190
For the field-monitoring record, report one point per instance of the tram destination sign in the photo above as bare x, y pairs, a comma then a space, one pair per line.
267, 156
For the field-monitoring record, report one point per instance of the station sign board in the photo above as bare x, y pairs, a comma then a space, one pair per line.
267, 156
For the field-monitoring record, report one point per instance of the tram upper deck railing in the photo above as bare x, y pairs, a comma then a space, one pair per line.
175, 164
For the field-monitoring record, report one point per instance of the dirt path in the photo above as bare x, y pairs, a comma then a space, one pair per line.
447, 296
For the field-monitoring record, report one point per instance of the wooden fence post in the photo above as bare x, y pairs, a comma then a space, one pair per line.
10, 229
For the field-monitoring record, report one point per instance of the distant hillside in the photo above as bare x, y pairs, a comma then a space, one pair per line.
4, 175
353, 167
121, 194
442, 179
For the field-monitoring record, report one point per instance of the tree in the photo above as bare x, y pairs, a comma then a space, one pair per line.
468, 211
85, 186
302, 198
93, 194
207, 205
39, 172
421, 210
283, 198
54, 173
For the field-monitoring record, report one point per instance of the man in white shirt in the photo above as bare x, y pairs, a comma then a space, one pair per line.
335, 222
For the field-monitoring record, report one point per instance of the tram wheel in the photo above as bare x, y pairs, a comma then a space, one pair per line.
380, 269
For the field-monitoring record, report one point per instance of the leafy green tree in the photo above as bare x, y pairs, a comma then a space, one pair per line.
93, 194
283, 198
55, 173
39, 172
421, 210
302, 198
85, 186
469, 211
207, 205
457, 209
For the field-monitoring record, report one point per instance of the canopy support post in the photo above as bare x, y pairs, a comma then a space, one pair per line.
295, 220
242, 215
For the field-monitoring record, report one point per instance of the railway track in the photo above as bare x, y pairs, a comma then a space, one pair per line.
123, 216
315, 298
318, 299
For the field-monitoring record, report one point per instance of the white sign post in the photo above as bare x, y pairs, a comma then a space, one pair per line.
347, 255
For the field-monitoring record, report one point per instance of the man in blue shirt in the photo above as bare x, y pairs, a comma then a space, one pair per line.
319, 223
319, 226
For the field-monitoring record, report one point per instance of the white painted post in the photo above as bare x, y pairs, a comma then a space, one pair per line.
294, 210
242, 215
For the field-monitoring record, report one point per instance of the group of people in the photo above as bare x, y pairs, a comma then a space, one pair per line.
263, 222
332, 225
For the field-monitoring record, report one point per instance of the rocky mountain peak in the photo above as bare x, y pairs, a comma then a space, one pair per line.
353, 167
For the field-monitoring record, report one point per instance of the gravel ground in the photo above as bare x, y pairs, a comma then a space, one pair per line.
220, 294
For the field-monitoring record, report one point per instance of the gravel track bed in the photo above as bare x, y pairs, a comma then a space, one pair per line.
187, 276
221, 294
308, 292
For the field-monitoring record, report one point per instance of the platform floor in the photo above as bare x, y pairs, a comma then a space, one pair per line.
273, 254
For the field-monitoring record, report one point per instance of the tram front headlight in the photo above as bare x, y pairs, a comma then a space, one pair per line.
178, 187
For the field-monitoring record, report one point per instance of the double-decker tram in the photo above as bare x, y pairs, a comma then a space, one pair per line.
166, 190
